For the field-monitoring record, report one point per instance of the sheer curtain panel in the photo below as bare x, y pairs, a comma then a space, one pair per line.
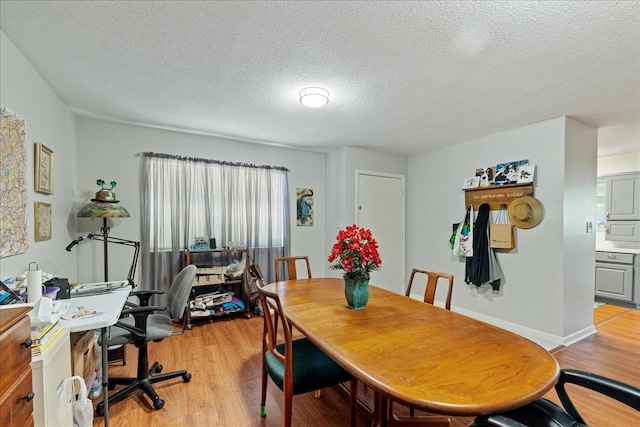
185, 197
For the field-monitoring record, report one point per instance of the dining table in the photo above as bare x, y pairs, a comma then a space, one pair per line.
418, 354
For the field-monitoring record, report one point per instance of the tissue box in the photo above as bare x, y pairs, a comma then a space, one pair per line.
82, 354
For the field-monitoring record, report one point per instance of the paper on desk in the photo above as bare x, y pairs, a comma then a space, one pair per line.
82, 313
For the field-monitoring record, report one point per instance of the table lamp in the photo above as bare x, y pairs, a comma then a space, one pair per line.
105, 206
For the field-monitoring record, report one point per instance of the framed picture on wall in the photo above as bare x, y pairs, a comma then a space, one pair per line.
304, 206
42, 216
13, 198
43, 181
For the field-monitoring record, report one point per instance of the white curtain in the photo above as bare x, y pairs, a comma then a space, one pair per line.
184, 197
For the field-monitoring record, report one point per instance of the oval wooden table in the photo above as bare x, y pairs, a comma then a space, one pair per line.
418, 354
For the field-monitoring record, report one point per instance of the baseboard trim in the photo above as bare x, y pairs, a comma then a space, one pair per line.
546, 340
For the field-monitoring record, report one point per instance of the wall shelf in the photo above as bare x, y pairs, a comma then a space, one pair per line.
496, 196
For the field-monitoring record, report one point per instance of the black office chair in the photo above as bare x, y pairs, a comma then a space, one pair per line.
145, 325
296, 366
544, 413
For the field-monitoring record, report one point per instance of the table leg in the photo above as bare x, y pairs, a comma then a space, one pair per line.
105, 376
379, 410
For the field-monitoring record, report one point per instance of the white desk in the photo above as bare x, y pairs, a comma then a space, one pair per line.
112, 304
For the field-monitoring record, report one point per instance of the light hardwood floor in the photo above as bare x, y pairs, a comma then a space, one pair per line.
224, 358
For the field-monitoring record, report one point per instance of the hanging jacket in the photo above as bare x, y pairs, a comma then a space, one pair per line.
483, 267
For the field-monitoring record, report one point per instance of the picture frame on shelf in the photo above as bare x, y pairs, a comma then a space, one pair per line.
486, 176
43, 180
526, 173
507, 173
42, 221
471, 182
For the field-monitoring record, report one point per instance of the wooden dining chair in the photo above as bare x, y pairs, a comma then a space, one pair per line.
296, 366
291, 261
429, 296
432, 283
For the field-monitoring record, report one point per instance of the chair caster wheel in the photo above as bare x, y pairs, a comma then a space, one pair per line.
100, 410
186, 377
158, 404
159, 369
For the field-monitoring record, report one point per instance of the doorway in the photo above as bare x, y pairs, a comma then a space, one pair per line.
380, 207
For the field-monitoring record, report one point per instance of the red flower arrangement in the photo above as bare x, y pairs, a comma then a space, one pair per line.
355, 252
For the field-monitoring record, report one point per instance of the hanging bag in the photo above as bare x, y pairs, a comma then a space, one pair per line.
82, 405
501, 232
462, 239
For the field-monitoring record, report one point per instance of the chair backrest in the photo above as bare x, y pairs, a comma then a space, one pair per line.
271, 300
292, 273
179, 291
432, 284
622, 392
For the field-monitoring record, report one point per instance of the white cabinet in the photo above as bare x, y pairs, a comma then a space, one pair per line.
622, 201
51, 405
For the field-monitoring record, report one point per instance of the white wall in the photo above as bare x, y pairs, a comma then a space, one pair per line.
108, 150
49, 121
532, 296
341, 186
629, 162
579, 208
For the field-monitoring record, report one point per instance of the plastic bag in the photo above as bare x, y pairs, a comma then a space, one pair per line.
462, 239
82, 405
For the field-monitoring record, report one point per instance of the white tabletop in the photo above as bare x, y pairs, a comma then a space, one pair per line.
110, 303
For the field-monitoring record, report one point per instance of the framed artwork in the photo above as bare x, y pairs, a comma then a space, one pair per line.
43, 181
507, 173
42, 216
304, 206
526, 173
471, 182
13, 184
486, 176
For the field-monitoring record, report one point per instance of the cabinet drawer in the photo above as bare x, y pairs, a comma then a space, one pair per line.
15, 410
614, 257
15, 355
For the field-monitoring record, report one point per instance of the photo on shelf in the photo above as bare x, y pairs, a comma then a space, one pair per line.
507, 173
471, 182
486, 176
526, 173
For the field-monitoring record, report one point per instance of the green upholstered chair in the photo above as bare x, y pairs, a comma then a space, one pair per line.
296, 366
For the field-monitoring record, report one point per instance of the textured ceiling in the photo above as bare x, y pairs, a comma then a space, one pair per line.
404, 77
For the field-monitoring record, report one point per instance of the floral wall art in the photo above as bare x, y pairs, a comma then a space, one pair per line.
13, 184
42, 216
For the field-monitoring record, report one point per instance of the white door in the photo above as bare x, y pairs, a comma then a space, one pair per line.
380, 208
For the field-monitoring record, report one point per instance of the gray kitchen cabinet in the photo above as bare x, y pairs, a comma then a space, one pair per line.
622, 200
615, 276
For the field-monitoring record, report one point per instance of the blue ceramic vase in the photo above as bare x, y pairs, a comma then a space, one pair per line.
356, 291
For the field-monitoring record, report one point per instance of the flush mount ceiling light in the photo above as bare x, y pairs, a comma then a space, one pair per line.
314, 97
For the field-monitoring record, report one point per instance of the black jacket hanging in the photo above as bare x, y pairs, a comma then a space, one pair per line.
477, 268
483, 267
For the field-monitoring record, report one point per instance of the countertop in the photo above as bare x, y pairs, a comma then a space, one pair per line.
619, 250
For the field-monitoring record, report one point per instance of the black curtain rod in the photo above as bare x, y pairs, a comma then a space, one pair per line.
210, 161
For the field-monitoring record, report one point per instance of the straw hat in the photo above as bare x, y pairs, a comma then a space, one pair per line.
525, 212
